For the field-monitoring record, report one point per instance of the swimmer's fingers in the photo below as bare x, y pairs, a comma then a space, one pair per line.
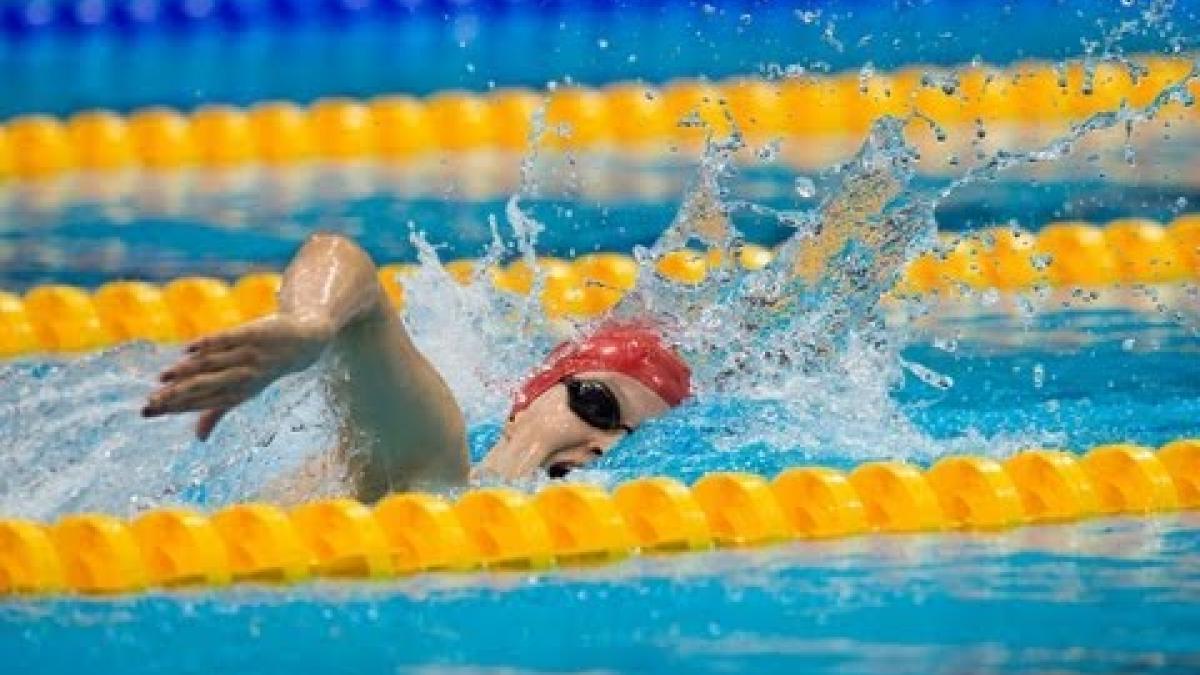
306, 334
230, 339
201, 392
196, 402
197, 364
208, 421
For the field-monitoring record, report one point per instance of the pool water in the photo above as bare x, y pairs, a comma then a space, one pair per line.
481, 45
228, 234
989, 374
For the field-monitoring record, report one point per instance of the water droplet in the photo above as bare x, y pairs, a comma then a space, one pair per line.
928, 376
807, 16
948, 345
1041, 261
805, 187
769, 151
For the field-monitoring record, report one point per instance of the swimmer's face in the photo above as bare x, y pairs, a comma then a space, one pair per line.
549, 437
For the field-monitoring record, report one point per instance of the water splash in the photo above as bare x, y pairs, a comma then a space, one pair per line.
1126, 117
74, 440
793, 362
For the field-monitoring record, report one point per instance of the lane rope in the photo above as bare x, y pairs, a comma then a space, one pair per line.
622, 117
568, 524
67, 319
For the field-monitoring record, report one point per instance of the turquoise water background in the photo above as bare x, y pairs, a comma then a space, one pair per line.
468, 44
1109, 595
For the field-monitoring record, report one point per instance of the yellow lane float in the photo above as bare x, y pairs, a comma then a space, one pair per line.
569, 524
65, 319
623, 116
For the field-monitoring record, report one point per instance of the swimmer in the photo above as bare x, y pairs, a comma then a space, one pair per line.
400, 427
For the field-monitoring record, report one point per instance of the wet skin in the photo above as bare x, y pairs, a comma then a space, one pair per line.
400, 426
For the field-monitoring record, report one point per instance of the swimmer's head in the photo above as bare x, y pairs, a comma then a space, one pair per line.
588, 395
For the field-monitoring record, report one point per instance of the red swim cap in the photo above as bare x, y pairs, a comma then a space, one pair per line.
633, 350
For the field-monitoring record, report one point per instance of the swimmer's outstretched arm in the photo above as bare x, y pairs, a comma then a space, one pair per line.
400, 424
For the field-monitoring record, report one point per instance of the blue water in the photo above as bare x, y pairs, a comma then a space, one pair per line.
1108, 595
473, 47
88, 242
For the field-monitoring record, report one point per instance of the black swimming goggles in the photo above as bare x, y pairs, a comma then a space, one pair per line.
595, 403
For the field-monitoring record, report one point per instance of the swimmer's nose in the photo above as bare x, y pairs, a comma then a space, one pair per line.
513, 457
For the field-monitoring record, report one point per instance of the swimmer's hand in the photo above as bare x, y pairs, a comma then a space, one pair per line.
220, 371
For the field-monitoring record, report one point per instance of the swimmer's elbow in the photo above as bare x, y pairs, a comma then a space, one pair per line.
332, 274
338, 258
322, 237
337, 244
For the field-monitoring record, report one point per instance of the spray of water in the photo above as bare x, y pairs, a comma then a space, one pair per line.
792, 362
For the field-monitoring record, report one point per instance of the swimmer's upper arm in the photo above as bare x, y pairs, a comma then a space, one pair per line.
401, 426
